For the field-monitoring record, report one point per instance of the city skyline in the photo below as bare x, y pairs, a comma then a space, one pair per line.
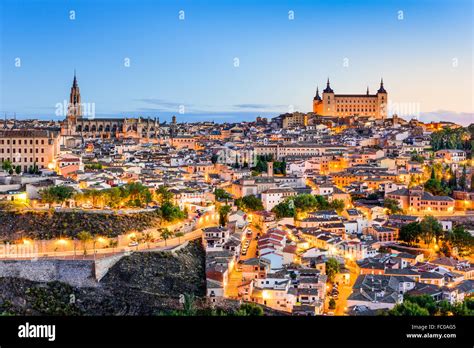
227, 62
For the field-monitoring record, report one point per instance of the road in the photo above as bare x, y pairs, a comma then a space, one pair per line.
235, 277
345, 290
252, 249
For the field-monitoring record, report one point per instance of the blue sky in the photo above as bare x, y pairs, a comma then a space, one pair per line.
188, 65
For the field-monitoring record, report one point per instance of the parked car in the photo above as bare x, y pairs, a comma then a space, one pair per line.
132, 244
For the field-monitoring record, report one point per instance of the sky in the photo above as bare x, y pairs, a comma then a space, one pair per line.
234, 60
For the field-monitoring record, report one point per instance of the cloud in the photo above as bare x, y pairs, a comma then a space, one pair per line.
161, 105
260, 106
463, 118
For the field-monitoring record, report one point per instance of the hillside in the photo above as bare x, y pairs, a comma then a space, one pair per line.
48, 225
142, 283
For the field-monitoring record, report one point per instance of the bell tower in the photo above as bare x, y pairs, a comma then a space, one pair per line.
74, 110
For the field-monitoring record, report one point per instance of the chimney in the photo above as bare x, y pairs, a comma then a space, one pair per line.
269, 168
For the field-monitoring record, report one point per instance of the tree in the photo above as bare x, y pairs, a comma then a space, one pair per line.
18, 170
57, 194
449, 138
332, 304
283, 210
452, 181
179, 234
417, 158
424, 301
430, 229
410, 233
171, 212
166, 234
332, 268
214, 158
463, 180
147, 238
338, 205
392, 205
222, 194
7, 165
84, 237
249, 309
434, 187
224, 211
462, 240
423, 305
189, 308
113, 243
249, 203
408, 308
164, 195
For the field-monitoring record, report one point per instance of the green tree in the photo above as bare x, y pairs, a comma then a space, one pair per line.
435, 187
147, 238
249, 309
338, 205
463, 180
417, 158
189, 307
430, 229
449, 138
462, 240
408, 308
452, 181
166, 234
224, 211
222, 194
332, 268
410, 233
424, 301
7, 165
249, 203
57, 194
283, 210
392, 205
171, 212
179, 234
164, 195
18, 170
84, 237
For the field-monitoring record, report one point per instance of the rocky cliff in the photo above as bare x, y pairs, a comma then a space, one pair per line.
143, 283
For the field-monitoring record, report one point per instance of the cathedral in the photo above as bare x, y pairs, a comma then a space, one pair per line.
344, 105
79, 127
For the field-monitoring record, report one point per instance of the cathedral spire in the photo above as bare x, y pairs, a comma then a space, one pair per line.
74, 82
381, 89
328, 88
367, 90
317, 96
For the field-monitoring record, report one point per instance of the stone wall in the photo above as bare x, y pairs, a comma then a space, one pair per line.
103, 265
79, 273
